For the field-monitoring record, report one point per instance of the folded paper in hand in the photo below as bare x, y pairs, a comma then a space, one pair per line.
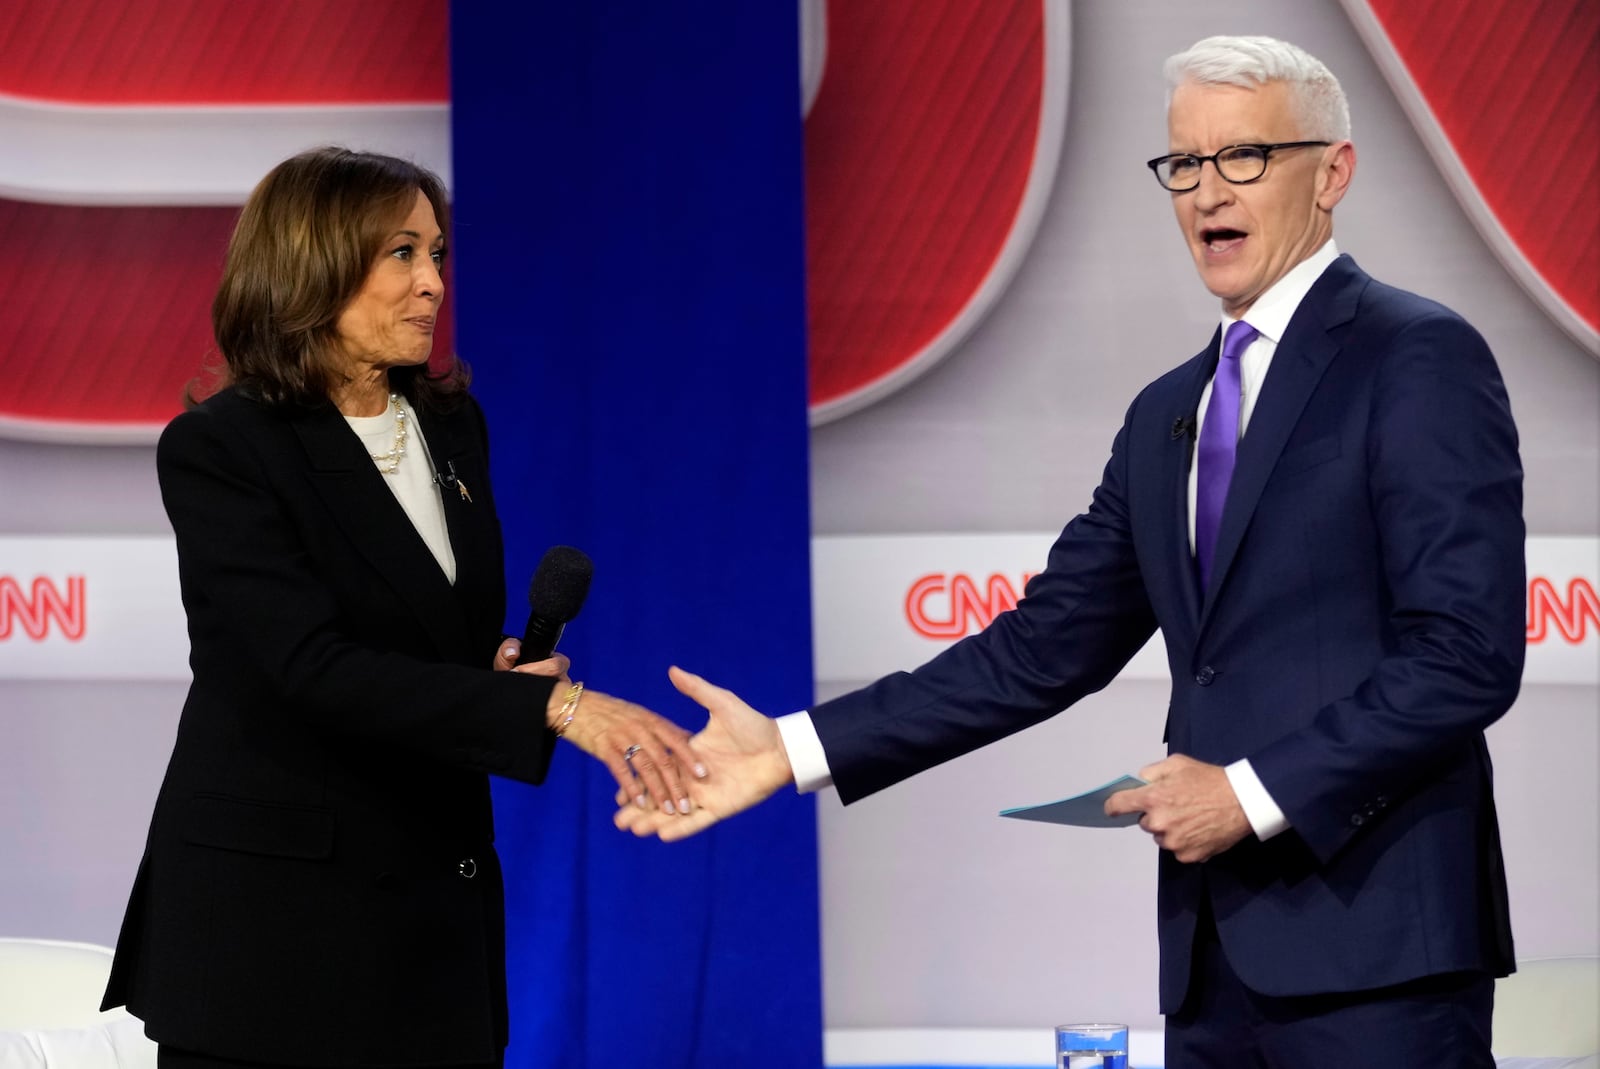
1086, 810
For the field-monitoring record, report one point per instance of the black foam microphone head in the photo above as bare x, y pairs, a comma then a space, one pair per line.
560, 583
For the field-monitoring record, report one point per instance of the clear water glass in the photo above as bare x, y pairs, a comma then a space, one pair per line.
1092, 1046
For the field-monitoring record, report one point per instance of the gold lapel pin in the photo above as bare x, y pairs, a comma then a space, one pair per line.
448, 477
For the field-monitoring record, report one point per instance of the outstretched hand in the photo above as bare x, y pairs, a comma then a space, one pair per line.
747, 764
647, 754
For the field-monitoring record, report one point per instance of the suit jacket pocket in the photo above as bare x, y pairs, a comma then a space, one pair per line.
258, 827
1302, 457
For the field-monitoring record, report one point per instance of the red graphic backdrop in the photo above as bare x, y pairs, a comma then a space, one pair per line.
917, 154
918, 150
110, 318
1515, 85
226, 51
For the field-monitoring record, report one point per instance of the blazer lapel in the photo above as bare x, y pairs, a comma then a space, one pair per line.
1298, 364
1177, 474
458, 456
361, 503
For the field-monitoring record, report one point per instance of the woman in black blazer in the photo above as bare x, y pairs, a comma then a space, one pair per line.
319, 886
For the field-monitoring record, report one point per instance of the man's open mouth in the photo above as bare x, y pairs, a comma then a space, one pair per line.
1217, 239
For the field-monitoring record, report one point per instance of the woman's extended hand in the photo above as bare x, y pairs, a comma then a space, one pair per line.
650, 756
747, 755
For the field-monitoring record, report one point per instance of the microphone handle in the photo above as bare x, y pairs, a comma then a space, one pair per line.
539, 638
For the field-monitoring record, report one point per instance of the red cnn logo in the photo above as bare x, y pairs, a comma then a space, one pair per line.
1571, 617
942, 606
34, 610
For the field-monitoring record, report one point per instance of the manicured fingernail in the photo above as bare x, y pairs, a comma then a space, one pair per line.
667, 806
683, 806
700, 770
643, 804
512, 651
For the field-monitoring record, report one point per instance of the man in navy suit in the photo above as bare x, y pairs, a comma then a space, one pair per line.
1322, 512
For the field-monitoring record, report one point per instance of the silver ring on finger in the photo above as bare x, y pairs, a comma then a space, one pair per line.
631, 752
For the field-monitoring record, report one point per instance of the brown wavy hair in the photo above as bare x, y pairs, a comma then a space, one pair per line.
304, 243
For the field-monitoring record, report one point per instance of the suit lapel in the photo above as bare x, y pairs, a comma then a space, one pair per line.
1297, 366
457, 454
361, 503
1177, 489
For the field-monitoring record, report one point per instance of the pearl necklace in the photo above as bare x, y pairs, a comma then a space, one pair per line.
389, 463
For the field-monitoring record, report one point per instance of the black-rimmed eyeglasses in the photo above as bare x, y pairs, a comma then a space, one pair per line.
1239, 164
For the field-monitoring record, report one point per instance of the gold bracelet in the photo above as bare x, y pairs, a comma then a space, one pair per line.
569, 709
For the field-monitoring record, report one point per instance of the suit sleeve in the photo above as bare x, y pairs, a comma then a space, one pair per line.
1445, 484
1080, 621
267, 630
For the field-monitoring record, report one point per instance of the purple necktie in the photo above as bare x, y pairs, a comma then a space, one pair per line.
1219, 442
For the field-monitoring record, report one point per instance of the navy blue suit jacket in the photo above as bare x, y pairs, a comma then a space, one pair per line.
1364, 624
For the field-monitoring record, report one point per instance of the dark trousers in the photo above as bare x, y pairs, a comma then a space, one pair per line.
1441, 1021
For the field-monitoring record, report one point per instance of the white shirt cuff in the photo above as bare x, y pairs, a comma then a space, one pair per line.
1265, 818
804, 750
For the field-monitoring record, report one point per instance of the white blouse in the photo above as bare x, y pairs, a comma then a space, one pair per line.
412, 480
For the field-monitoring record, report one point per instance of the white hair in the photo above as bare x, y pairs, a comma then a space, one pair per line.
1250, 62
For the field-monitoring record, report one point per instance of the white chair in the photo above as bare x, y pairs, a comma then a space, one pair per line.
50, 1010
1549, 1009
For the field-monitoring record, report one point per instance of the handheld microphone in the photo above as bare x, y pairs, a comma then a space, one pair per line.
560, 584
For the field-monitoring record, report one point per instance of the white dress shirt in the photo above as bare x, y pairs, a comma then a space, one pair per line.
1270, 315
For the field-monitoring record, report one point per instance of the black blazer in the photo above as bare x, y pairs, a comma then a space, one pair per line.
1364, 624
319, 884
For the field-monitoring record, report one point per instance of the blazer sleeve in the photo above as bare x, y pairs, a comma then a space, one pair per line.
268, 633
1080, 621
1445, 484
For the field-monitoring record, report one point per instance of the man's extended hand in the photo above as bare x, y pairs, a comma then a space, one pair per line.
1189, 808
745, 756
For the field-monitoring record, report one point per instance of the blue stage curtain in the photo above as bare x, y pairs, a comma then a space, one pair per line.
629, 286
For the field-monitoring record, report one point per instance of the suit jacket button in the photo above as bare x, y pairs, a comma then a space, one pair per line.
1205, 676
467, 868
1356, 820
